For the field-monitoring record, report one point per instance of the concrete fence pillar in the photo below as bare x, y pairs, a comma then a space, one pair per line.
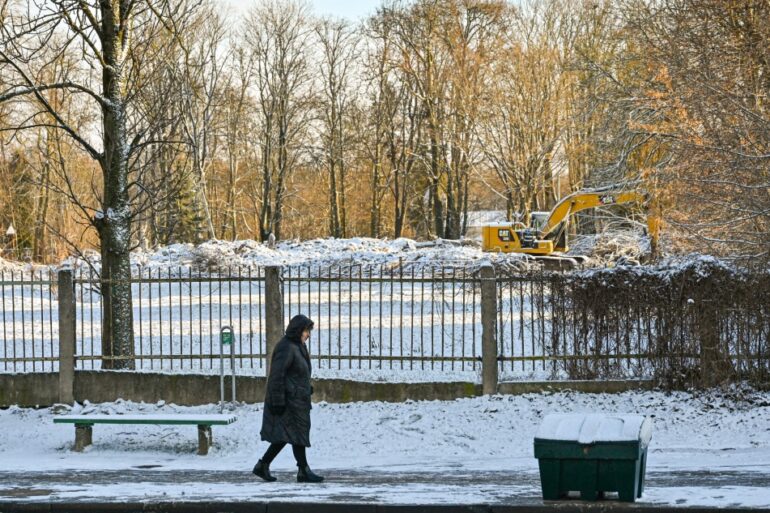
66, 336
488, 330
273, 310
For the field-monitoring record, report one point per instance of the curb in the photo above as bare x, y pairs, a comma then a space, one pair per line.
290, 507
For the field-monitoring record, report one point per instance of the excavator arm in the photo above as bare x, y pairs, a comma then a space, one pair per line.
583, 200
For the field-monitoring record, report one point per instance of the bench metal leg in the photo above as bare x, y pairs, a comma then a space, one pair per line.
83, 437
204, 439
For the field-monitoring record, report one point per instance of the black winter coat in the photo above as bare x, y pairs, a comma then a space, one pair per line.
289, 384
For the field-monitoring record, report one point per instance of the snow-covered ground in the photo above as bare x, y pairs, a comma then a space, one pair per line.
315, 252
602, 248
419, 322
629, 246
710, 433
400, 329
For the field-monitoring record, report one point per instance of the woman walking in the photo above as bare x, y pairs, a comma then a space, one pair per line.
286, 418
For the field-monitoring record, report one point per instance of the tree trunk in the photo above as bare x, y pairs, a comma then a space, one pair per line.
114, 227
283, 169
204, 198
509, 206
117, 311
114, 224
466, 187
374, 209
334, 218
231, 217
343, 202
265, 212
401, 218
438, 206
38, 243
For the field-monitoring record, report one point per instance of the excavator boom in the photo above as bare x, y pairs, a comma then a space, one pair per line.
583, 200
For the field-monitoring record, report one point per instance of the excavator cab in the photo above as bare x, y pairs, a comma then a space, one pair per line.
528, 238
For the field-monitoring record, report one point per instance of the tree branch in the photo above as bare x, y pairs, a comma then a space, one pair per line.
63, 125
47, 87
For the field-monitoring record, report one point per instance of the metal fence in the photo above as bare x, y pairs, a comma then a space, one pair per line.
396, 318
178, 314
686, 328
541, 330
29, 333
408, 318
367, 317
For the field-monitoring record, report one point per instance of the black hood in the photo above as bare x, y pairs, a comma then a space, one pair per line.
296, 326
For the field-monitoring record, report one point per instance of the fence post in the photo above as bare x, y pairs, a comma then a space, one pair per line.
273, 310
66, 336
488, 330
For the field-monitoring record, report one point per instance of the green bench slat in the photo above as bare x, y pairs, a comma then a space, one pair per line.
208, 420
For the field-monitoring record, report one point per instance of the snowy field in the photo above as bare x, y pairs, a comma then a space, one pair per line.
710, 434
385, 329
384, 310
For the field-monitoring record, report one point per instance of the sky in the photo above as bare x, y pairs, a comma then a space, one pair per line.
351, 9
346, 8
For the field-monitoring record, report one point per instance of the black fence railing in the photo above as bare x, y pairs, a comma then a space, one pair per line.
385, 322
29, 321
395, 318
178, 314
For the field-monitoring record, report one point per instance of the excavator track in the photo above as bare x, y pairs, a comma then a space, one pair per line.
559, 263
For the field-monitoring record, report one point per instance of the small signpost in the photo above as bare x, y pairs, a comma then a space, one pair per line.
10, 235
226, 339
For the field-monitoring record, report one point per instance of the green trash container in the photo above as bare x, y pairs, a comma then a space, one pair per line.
593, 454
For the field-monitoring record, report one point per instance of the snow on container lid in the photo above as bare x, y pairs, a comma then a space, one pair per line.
594, 427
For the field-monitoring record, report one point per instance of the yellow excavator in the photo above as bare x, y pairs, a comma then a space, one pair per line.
547, 232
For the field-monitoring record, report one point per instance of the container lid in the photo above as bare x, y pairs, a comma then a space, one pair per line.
593, 427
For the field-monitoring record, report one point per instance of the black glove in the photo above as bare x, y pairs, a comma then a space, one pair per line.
276, 409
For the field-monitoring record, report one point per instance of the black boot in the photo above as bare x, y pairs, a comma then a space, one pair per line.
305, 475
262, 470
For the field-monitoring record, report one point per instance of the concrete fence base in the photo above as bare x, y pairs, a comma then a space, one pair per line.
42, 389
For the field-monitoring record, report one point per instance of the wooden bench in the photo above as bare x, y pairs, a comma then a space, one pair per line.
85, 423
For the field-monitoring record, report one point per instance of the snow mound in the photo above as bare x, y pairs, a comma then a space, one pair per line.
606, 252
595, 427
384, 254
11, 266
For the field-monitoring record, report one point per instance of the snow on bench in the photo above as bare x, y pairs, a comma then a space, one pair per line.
84, 424
592, 428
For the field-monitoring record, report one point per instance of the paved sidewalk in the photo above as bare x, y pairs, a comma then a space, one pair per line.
225, 491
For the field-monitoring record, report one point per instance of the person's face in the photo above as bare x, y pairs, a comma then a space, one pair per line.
306, 334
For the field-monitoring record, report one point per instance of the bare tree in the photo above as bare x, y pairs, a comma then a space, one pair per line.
239, 127
278, 35
374, 120
706, 108
201, 73
523, 116
444, 52
474, 31
339, 47
105, 33
421, 57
